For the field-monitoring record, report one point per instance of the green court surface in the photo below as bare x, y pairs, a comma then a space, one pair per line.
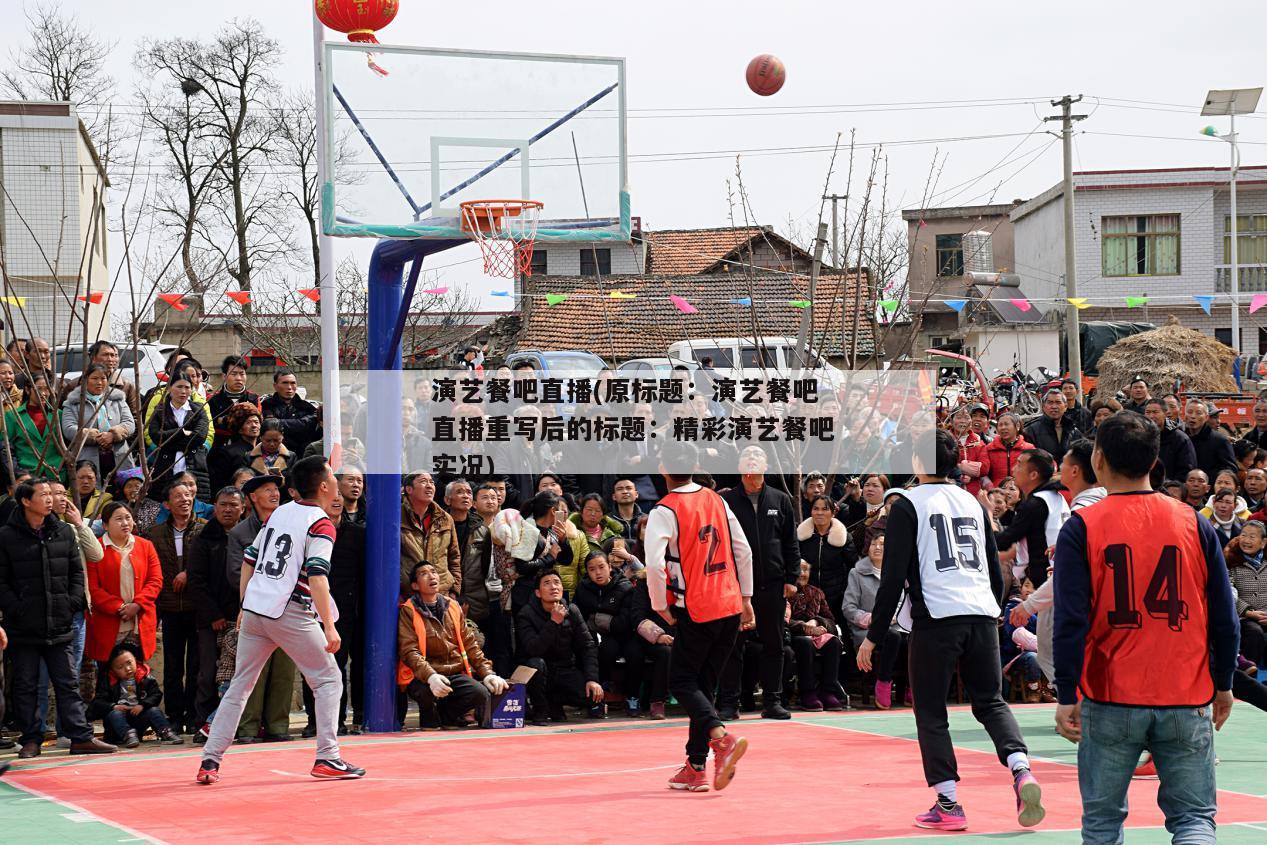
824, 778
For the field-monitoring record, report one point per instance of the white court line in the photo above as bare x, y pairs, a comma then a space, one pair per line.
496, 777
139, 836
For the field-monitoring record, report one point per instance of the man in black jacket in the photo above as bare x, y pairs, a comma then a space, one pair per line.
1052, 432
769, 524
1214, 450
1077, 414
1030, 526
553, 639
1258, 434
301, 423
215, 600
232, 391
1139, 395
1176, 455
41, 589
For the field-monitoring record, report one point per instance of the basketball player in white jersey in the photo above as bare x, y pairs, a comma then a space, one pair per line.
286, 604
940, 549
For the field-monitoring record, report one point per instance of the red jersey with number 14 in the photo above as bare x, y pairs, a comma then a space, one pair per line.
1149, 644
702, 574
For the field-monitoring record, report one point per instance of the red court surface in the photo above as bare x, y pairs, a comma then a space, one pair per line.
533, 787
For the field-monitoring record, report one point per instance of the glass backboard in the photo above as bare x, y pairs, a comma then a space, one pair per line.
441, 127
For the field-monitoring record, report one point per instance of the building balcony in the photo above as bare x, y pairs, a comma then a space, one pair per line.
1253, 278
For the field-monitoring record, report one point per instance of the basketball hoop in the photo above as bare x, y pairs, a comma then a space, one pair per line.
505, 231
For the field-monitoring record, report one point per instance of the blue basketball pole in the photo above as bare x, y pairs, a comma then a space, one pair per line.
388, 309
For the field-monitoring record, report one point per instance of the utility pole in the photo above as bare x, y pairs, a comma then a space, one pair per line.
835, 228
807, 314
1072, 320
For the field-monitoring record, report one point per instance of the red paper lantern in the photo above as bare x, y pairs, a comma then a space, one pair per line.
359, 19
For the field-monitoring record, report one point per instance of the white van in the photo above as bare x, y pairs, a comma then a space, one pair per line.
733, 354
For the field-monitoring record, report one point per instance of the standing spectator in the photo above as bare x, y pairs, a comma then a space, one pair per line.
1222, 515
267, 710
1213, 449
90, 498
299, 418
980, 413
1038, 519
863, 506
1255, 489
1177, 454
552, 638
859, 602
176, 607
1101, 410
352, 489
32, 428
106, 354
1076, 415
1051, 432
1002, 453
347, 588
826, 547
812, 626
427, 533
124, 587
1258, 434
189, 370
1249, 579
41, 589
179, 430
769, 526
235, 443
473, 541
482, 588
1138, 394
97, 424
213, 596
10, 398
232, 392
971, 451
1110, 653
625, 507
39, 358
1196, 489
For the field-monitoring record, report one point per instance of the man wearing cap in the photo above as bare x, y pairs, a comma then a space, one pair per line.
1138, 395
1213, 448
980, 413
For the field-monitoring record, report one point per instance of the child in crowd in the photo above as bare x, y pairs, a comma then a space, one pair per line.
621, 558
127, 700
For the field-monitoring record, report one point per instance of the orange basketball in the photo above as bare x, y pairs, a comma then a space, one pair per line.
765, 74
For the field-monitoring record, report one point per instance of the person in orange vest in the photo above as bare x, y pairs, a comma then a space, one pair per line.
441, 665
699, 578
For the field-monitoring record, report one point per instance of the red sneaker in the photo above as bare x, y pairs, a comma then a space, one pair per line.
1146, 769
208, 772
726, 753
689, 779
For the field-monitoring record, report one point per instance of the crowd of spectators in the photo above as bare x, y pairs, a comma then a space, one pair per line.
131, 535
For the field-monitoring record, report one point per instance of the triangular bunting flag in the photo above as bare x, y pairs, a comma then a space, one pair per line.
94, 298
174, 300
555, 298
1136, 301
957, 304
620, 294
1204, 300
502, 293
1078, 302
745, 301
682, 305
436, 291
1259, 300
19, 301
1021, 304
241, 297
312, 293
799, 303
889, 305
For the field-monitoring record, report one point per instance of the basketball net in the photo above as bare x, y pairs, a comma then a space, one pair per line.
505, 231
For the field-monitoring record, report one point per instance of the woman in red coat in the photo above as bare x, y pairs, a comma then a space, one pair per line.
1004, 450
971, 450
124, 585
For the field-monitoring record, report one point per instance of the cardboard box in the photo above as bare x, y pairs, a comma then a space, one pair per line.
510, 709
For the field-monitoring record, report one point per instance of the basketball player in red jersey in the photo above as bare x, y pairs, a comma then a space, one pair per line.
1146, 630
699, 576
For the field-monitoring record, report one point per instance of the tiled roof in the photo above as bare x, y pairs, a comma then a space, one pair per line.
645, 325
684, 252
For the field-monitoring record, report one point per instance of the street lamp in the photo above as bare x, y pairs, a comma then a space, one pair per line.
1231, 102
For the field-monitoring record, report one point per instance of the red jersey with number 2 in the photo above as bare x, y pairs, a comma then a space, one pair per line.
1148, 645
705, 562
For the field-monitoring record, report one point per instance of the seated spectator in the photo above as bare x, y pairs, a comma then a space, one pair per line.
998, 507
179, 428
594, 522
574, 547
441, 664
655, 640
1248, 570
1223, 516
864, 582
1019, 646
127, 700
527, 547
97, 424
553, 639
88, 493
30, 427
236, 439
813, 629
621, 558
270, 455
826, 546
123, 587
603, 596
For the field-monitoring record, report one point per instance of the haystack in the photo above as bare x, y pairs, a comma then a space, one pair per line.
1165, 355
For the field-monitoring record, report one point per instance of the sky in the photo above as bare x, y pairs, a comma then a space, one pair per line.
904, 74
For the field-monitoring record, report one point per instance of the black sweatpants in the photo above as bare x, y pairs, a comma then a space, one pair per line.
1253, 643
742, 671
769, 605
553, 686
935, 652
700, 651
207, 698
498, 645
820, 679
610, 649
662, 655
65, 679
180, 668
468, 694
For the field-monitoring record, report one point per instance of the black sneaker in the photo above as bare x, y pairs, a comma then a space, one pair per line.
727, 714
335, 770
776, 711
597, 711
309, 731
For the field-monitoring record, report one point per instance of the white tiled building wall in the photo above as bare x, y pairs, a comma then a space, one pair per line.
565, 259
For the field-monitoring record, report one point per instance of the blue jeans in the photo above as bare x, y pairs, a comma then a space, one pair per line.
117, 723
1182, 744
80, 629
